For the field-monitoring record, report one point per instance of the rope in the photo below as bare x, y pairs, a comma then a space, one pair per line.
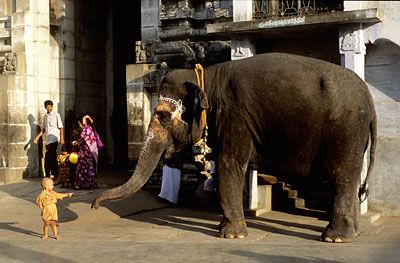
200, 81
201, 148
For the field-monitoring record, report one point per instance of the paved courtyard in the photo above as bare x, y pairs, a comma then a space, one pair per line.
141, 229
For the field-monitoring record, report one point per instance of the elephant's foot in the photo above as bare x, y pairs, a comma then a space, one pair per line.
232, 229
340, 233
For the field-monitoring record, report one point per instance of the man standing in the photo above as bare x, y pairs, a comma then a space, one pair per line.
53, 129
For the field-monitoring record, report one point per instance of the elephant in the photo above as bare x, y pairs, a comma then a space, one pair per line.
291, 110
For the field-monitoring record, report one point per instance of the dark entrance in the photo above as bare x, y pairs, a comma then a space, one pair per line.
126, 30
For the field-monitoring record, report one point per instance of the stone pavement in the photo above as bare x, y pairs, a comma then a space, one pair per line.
141, 229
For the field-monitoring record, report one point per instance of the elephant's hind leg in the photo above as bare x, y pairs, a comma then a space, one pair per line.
232, 163
344, 173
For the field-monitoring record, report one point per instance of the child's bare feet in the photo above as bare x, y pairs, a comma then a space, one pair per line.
58, 237
44, 237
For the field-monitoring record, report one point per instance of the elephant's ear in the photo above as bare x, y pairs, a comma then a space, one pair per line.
200, 94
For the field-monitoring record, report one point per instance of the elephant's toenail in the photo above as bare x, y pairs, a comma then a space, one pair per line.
338, 240
328, 239
230, 236
241, 236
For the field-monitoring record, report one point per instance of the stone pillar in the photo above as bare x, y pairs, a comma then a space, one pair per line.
352, 50
241, 45
109, 84
150, 19
63, 59
34, 80
140, 100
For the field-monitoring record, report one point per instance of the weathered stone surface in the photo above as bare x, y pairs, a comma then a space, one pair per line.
136, 133
11, 175
17, 115
21, 161
385, 178
16, 133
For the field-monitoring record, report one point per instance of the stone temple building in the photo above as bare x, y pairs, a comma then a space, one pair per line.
100, 57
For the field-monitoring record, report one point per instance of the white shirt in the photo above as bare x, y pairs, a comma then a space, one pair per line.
52, 124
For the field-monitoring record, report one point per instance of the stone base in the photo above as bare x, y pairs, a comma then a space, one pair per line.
11, 175
370, 217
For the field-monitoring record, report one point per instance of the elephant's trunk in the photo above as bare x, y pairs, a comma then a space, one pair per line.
150, 154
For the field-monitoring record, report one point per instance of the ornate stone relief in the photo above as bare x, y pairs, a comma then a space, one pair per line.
10, 62
352, 41
241, 48
144, 51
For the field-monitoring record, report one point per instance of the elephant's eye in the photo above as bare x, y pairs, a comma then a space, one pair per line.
164, 116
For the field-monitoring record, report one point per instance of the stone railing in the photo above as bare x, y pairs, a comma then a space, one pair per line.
198, 10
269, 9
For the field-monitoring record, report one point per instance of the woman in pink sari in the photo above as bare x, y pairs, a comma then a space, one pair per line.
86, 171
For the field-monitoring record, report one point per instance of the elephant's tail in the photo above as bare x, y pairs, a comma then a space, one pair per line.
363, 191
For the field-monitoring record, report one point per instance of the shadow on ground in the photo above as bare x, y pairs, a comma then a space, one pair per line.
26, 255
144, 207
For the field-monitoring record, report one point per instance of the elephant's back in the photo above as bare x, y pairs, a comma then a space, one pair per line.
290, 103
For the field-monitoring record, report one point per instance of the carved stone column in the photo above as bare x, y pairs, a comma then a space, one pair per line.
242, 46
150, 19
352, 50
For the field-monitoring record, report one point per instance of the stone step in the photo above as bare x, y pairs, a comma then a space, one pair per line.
261, 203
370, 217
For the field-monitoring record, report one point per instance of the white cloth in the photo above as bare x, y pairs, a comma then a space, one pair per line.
171, 180
209, 183
52, 123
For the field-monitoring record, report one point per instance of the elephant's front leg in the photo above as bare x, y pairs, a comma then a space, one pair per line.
231, 167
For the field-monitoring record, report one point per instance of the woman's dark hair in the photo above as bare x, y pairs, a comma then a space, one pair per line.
48, 102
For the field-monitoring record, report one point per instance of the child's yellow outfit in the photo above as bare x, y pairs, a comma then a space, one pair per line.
47, 203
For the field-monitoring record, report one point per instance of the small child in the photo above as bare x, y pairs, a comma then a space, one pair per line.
64, 169
47, 200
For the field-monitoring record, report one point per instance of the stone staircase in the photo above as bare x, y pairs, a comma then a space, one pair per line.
260, 196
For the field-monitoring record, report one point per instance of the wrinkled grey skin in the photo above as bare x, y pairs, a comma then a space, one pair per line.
288, 109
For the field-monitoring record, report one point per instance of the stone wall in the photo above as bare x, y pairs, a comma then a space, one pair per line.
382, 75
34, 82
44, 70
382, 69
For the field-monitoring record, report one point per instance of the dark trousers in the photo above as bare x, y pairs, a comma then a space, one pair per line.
50, 160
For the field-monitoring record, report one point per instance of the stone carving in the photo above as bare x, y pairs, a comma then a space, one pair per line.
10, 62
144, 51
241, 48
140, 50
352, 42
199, 50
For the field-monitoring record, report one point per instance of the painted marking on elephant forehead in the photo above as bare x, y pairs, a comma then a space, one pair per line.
150, 136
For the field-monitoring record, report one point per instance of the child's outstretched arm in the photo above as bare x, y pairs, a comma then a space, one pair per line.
61, 196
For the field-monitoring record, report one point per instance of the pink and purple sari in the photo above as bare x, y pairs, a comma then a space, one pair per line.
86, 171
